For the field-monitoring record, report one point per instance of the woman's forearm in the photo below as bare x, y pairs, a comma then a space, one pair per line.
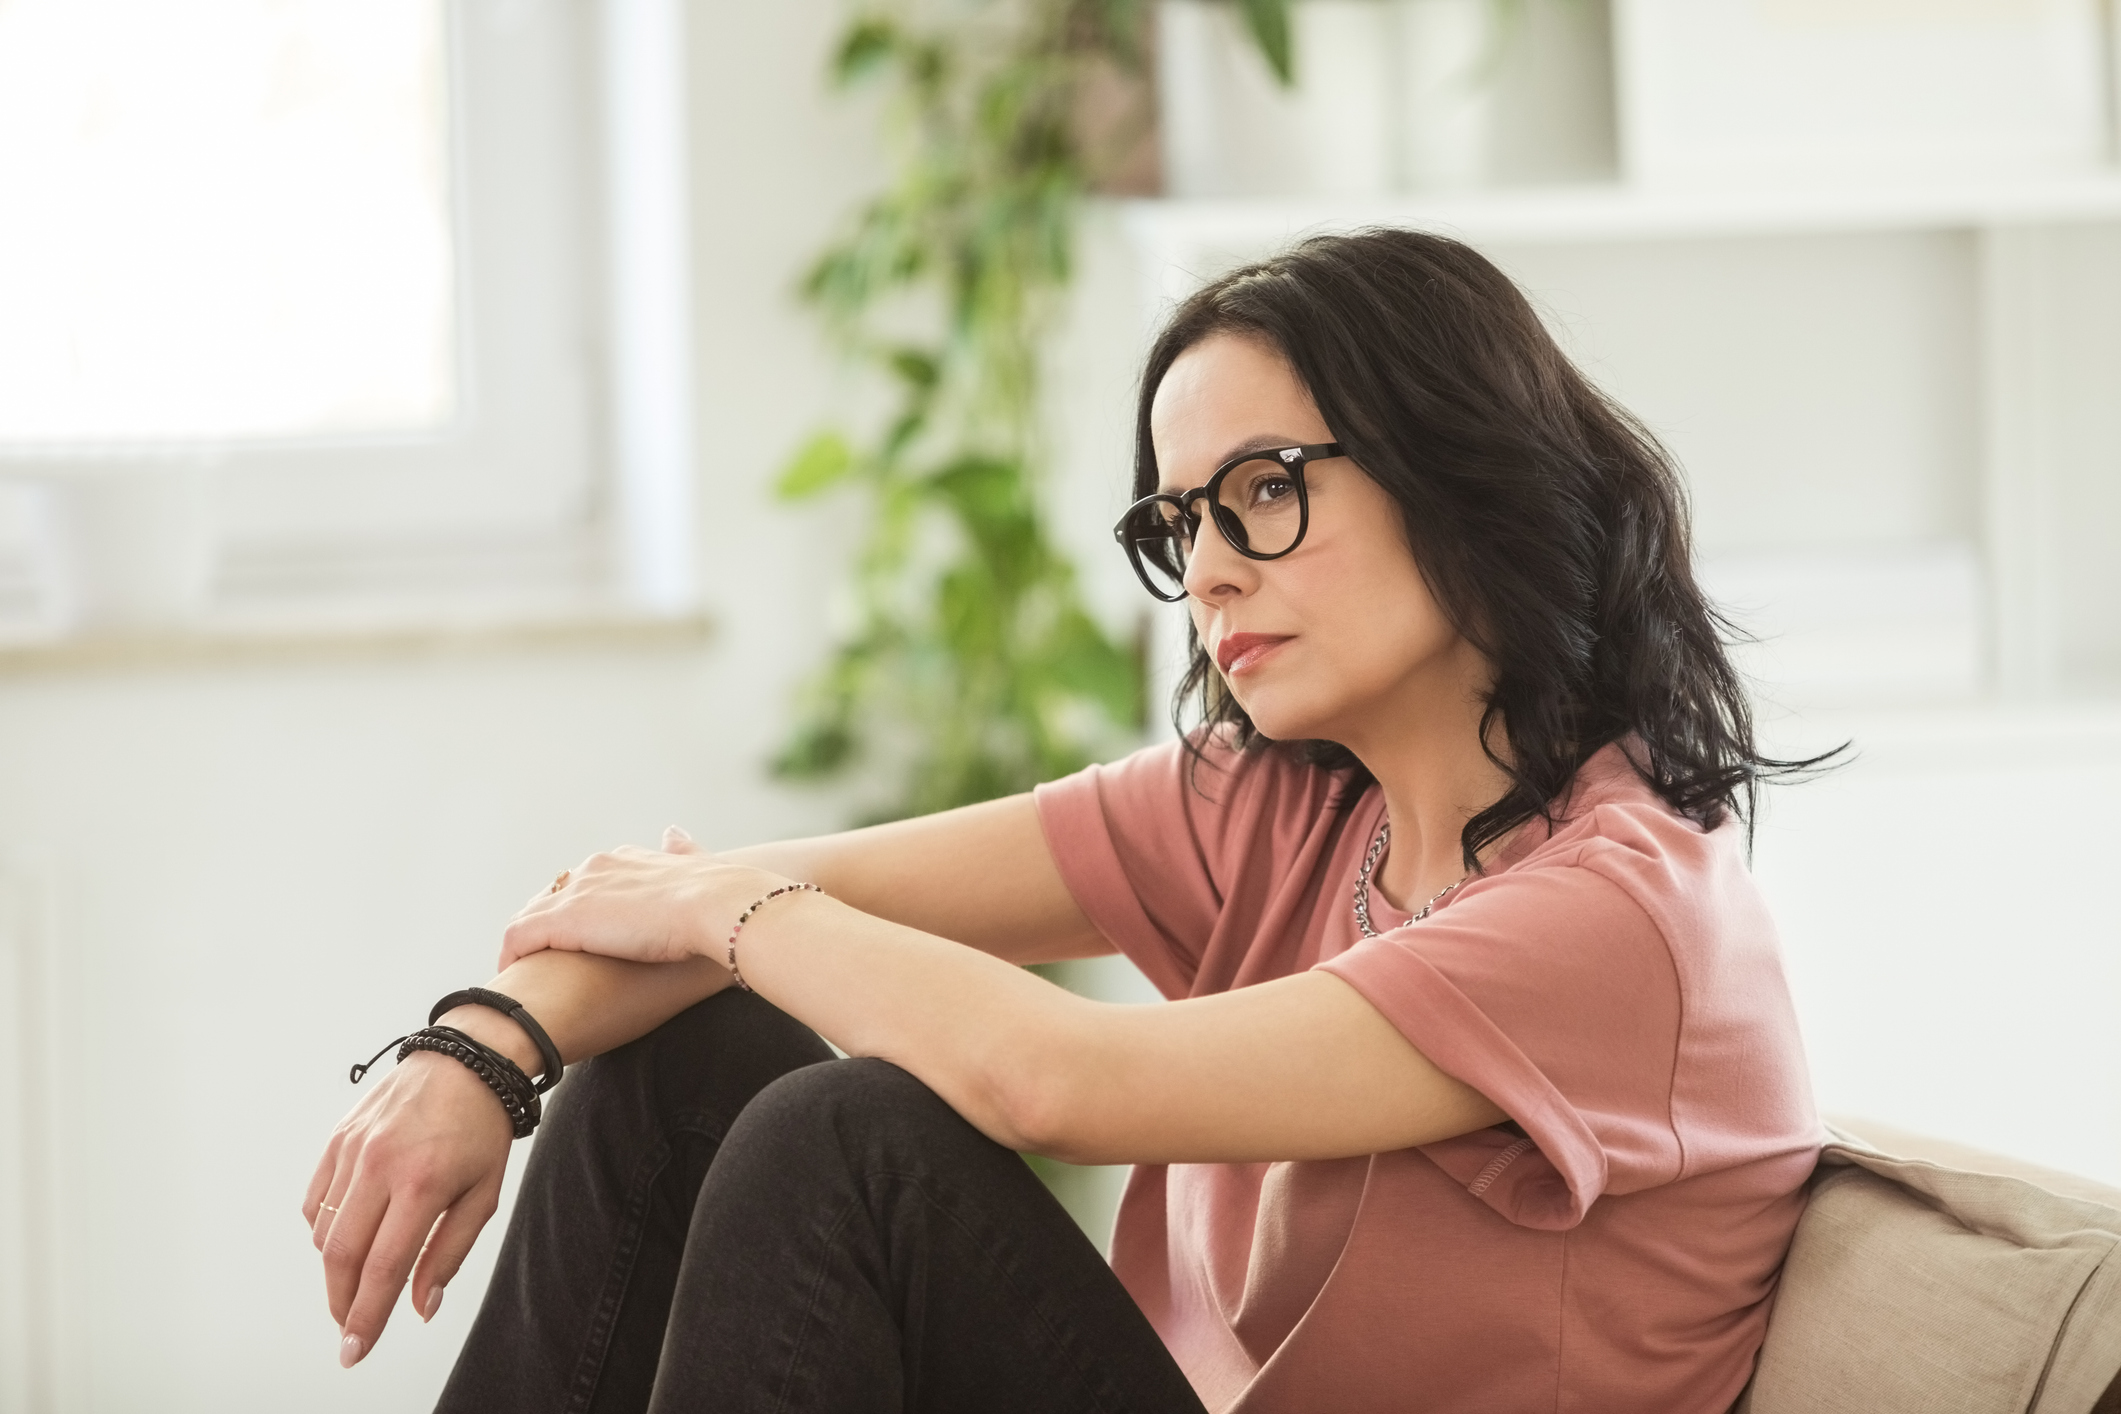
590, 1004
587, 1004
979, 1031
981, 876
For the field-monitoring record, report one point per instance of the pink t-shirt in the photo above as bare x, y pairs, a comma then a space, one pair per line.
1614, 985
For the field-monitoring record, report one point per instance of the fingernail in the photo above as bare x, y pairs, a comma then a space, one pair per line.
350, 1352
434, 1303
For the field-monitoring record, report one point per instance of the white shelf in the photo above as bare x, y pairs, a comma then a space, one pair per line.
1617, 212
1846, 626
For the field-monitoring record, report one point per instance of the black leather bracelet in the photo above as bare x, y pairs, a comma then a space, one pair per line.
513, 1009
502, 1076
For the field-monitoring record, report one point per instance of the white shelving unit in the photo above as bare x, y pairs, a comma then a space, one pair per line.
1991, 603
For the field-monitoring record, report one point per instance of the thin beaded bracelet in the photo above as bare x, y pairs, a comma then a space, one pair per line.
745, 917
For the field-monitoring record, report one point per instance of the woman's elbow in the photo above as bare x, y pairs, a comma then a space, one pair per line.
1043, 1104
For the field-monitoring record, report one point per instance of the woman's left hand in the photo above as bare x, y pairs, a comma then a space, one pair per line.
643, 905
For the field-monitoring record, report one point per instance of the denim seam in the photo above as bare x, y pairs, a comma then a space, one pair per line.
596, 1345
802, 1327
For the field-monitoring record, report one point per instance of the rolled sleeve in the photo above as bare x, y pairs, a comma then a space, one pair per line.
1556, 998
1131, 852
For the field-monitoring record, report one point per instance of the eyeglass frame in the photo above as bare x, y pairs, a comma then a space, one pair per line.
1294, 459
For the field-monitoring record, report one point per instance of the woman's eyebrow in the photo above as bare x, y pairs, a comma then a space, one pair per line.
1266, 443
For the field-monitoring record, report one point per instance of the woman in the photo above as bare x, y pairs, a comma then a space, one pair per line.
1479, 1087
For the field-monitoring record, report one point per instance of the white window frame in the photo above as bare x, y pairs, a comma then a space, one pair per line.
562, 482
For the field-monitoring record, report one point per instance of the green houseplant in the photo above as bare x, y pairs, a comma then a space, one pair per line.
974, 664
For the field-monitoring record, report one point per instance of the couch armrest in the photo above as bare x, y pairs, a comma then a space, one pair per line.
1951, 1154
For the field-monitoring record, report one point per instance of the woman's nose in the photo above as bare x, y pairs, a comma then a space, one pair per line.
1214, 569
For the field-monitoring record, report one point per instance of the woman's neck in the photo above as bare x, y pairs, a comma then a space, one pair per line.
1435, 777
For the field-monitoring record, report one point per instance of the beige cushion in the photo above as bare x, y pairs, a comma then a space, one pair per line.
1912, 1286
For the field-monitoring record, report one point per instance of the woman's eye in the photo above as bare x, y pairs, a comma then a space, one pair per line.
1269, 489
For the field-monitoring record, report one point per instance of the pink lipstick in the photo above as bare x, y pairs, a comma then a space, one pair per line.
1241, 652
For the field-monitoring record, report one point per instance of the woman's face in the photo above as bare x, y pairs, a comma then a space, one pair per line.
1340, 640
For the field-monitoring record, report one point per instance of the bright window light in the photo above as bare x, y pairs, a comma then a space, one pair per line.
223, 220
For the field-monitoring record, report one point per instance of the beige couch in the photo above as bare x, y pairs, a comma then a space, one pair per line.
1930, 1277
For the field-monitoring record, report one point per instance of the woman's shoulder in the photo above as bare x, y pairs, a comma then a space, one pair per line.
1611, 801
1691, 882
1213, 795
1221, 771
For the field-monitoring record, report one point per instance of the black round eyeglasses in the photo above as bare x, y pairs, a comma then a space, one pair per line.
1259, 504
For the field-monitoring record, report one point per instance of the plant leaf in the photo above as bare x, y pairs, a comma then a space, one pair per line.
1268, 20
866, 45
821, 462
973, 670
918, 367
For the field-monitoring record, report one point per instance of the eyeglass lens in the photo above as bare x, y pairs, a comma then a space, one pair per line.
1256, 508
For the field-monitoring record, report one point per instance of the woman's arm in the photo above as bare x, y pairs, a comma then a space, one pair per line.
1302, 1067
414, 1170
1298, 1068
981, 875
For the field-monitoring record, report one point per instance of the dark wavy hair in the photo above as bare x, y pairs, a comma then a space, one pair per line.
1549, 524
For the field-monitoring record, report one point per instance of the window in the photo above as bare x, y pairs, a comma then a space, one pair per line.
360, 273
236, 225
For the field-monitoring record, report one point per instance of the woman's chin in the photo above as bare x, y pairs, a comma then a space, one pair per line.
1281, 720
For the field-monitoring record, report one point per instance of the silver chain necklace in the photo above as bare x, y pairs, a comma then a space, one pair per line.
1362, 884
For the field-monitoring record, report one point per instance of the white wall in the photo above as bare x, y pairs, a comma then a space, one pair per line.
239, 879
1945, 908
251, 878
1819, 389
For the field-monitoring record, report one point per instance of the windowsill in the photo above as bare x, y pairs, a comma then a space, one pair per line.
220, 645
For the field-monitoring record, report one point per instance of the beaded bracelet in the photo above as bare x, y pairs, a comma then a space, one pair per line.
745, 917
502, 1075
518, 1096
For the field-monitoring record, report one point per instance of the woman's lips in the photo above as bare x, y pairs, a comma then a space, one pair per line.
1241, 652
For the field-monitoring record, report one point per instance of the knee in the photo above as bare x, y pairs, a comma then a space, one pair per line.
862, 1105
729, 1027
733, 1042
858, 1091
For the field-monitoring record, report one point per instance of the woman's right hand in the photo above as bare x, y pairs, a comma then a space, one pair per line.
429, 1142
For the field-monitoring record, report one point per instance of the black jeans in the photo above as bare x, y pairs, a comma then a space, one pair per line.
722, 1217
